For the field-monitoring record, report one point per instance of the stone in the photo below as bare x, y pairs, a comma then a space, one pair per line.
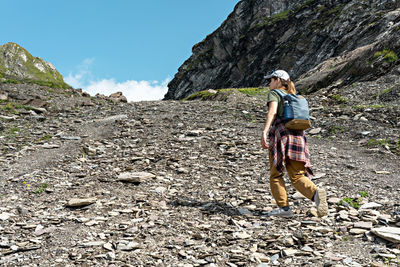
80, 202
160, 190
333, 200
391, 234
194, 133
365, 133
128, 247
70, 138
93, 244
241, 235
344, 215
3, 96
118, 97
135, 177
315, 131
307, 248
38, 110
8, 118
261, 257
290, 252
363, 225
108, 246
274, 258
243, 211
298, 195
114, 118
110, 256
50, 146
319, 175
5, 216
357, 231
387, 255
370, 205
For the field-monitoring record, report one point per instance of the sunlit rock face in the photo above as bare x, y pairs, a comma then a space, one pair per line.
17, 63
299, 36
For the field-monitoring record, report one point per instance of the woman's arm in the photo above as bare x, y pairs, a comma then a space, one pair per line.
272, 110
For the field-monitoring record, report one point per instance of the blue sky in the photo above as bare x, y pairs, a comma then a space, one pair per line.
102, 46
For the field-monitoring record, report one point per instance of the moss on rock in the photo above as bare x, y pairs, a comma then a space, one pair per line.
387, 54
211, 94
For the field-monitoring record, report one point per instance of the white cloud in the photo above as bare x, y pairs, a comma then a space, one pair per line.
133, 90
83, 75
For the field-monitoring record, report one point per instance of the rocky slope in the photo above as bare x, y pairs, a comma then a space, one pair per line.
319, 42
87, 181
17, 64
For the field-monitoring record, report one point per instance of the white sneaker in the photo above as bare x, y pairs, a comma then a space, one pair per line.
281, 213
320, 202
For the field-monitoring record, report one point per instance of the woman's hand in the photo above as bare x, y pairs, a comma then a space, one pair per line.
264, 140
272, 109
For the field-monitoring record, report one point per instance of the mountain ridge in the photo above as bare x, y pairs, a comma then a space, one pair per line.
18, 65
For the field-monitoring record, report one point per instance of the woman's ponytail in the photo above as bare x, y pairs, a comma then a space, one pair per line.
289, 85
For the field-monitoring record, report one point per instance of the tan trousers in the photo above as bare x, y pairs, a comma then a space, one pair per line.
296, 172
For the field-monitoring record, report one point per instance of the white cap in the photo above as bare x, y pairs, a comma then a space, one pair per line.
279, 74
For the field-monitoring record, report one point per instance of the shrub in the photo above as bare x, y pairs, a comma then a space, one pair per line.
387, 54
339, 98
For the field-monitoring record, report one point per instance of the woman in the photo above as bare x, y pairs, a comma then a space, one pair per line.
287, 148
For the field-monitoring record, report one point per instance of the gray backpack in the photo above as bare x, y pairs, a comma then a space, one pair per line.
295, 111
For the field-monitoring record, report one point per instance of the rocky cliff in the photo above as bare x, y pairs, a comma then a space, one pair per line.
17, 64
319, 42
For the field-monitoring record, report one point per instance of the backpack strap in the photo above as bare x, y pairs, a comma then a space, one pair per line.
279, 92
282, 96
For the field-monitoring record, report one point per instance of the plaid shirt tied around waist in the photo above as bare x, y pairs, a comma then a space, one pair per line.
288, 144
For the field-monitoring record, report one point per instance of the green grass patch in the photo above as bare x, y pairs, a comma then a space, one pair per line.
42, 188
271, 20
11, 81
12, 107
254, 91
339, 98
51, 84
336, 129
13, 130
379, 142
38, 82
387, 90
391, 144
353, 202
45, 138
387, 54
207, 94
201, 95
362, 107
